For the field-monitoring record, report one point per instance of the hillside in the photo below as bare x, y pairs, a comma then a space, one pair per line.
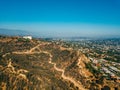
40, 65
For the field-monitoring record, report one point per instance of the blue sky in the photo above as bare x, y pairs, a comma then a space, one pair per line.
62, 17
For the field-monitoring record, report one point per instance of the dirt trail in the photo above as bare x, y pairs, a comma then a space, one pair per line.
77, 84
79, 62
5, 55
34, 48
28, 51
31, 51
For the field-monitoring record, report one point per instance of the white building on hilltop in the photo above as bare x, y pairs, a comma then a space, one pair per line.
27, 37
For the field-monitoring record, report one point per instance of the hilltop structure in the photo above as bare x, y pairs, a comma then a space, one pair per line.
27, 37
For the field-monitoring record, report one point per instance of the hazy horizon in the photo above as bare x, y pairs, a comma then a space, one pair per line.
60, 18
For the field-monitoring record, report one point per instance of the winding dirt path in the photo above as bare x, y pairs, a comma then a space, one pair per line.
28, 51
31, 51
5, 55
79, 85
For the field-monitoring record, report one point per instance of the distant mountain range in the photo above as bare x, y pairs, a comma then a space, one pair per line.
11, 32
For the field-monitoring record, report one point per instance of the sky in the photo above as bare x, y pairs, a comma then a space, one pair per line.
62, 18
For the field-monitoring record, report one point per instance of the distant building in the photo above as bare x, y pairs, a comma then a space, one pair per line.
27, 37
